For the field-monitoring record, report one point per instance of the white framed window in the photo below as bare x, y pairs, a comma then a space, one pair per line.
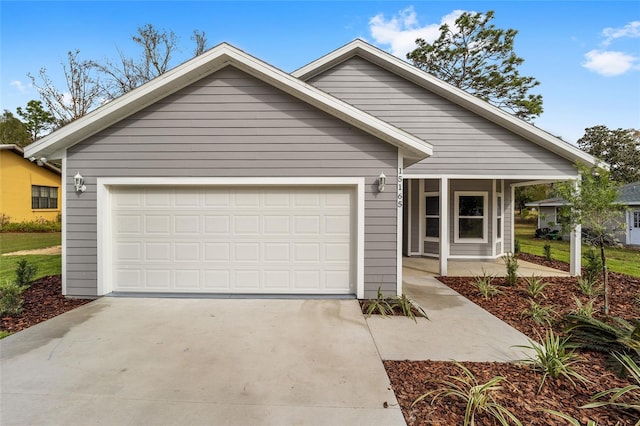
432, 216
471, 212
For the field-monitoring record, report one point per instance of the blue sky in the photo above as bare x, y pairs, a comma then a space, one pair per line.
586, 54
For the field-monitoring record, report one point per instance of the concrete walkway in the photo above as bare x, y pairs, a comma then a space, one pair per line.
457, 329
128, 361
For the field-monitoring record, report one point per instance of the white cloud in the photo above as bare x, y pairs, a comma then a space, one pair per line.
67, 99
609, 63
401, 30
19, 85
631, 30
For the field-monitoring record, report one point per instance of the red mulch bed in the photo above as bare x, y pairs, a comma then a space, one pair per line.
410, 379
42, 300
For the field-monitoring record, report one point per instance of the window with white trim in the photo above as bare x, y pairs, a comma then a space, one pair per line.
470, 223
44, 197
432, 216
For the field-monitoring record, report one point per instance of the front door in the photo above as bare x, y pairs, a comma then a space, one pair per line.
634, 227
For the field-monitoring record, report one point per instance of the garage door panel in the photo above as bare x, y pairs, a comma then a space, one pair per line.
157, 251
157, 224
218, 224
234, 240
186, 224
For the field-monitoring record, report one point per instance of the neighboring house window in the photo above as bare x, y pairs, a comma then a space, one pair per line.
44, 197
470, 224
432, 219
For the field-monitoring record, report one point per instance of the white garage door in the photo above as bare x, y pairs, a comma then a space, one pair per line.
233, 239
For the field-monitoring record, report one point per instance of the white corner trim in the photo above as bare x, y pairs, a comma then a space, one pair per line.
103, 202
63, 188
400, 207
444, 227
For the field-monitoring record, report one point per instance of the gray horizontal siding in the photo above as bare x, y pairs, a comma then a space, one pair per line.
232, 125
463, 142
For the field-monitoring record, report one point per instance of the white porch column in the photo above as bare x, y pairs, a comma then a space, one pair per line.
575, 251
444, 225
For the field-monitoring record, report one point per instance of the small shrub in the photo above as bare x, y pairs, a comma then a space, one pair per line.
408, 307
540, 314
39, 225
592, 265
25, 272
380, 305
547, 251
535, 286
484, 285
589, 287
516, 247
4, 220
11, 300
4, 334
511, 262
584, 309
631, 392
554, 357
478, 397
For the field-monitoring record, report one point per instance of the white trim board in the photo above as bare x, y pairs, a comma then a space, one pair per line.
103, 201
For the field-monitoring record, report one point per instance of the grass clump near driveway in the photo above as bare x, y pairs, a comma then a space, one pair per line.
621, 260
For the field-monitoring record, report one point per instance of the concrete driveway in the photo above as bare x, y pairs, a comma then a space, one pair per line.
130, 361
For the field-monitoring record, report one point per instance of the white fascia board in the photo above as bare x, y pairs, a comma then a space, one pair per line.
206, 64
452, 93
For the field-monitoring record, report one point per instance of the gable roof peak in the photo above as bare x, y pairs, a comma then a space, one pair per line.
402, 68
212, 60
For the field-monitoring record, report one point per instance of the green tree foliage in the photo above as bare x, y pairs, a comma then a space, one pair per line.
592, 204
479, 58
527, 194
13, 131
81, 94
620, 148
37, 120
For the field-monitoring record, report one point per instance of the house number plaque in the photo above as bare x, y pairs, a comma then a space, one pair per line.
400, 192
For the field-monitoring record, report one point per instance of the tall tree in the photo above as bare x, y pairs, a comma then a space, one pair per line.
526, 194
81, 94
157, 48
620, 148
200, 39
37, 120
13, 131
479, 58
592, 204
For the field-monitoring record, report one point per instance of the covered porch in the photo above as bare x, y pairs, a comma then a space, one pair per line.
456, 225
470, 268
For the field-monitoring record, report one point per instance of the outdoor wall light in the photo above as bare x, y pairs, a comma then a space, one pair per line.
382, 180
41, 161
78, 181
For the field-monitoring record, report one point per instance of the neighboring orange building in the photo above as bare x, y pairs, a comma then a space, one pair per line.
28, 190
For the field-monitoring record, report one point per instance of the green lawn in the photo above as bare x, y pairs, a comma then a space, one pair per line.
47, 264
17, 241
622, 260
